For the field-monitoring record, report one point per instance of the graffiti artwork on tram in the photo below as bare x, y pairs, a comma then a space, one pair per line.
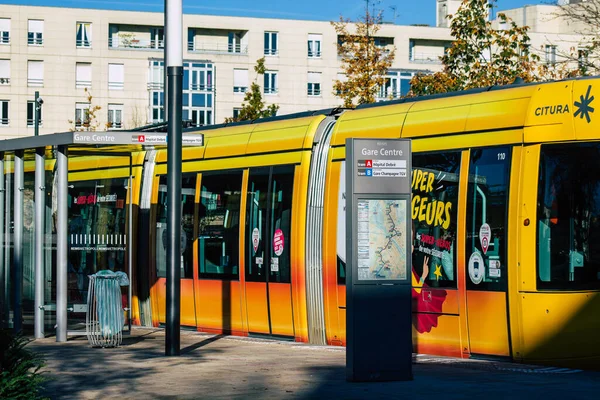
434, 231
433, 214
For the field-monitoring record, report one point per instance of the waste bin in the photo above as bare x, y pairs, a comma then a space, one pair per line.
105, 318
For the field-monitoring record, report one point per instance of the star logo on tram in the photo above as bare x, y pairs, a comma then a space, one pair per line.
583, 106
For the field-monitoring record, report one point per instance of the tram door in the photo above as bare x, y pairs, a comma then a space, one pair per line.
188, 202
486, 251
267, 252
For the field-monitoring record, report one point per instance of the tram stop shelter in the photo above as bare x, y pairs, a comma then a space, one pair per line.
66, 211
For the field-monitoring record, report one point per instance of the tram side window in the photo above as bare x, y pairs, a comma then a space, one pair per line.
219, 225
487, 210
188, 194
435, 179
569, 217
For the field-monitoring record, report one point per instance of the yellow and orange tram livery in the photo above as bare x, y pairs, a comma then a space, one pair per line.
505, 210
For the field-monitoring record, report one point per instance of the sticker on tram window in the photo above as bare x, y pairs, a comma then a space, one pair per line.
476, 268
485, 234
259, 260
274, 264
278, 242
255, 239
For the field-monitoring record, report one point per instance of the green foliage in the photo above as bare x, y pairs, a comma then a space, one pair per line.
253, 106
364, 63
482, 56
20, 375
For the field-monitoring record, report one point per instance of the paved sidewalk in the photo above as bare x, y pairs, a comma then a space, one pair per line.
226, 367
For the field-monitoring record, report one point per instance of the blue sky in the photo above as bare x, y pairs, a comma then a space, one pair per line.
407, 11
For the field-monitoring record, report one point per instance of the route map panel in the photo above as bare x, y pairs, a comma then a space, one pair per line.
382, 239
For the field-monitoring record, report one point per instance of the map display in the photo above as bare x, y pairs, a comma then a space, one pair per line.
382, 240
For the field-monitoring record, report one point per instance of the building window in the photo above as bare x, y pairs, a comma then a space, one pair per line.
31, 114
82, 115
116, 76
84, 34
568, 231
236, 112
198, 99
314, 83
35, 33
35, 73
234, 42
4, 30
240, 80
4, 113
314, 45
271, 43
4, 72
342, 78
550, 51
115, 116
396, 85
157, 38
156, 75
83, 75
582, 58
270, 82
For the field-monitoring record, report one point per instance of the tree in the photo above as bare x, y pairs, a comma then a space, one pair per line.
364, 63
88, 121
583, 17
253, 106
482, 56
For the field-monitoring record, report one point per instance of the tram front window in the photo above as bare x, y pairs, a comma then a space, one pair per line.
569, 217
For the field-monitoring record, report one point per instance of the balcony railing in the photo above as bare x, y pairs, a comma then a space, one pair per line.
31, 122
388, 95
4, 37
240, 89
35, 41
155, 86
83, 43
4, 121
220, 48
4, 81
116, 85
137, 44
270, 90
83, 84
314, 54
425, 58
314, 91
200, 87
271, 52
114, 125
35, 82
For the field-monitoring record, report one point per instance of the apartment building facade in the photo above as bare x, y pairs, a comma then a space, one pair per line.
68, 54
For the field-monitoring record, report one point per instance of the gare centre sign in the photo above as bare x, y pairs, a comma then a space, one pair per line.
133, 138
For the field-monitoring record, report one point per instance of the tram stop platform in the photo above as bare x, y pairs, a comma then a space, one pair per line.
227, 367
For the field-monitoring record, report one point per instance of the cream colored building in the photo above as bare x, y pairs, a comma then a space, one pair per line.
117, 57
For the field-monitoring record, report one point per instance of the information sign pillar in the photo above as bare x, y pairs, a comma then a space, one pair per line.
378, 269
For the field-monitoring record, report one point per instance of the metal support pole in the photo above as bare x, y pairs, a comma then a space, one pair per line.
4, 277
40, 217
18, 243
174, 65
36, 113
130, 248
61, 244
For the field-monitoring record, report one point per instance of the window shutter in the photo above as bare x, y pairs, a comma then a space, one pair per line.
240, 78
35, 70
5, 24
4, 68
36, 25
